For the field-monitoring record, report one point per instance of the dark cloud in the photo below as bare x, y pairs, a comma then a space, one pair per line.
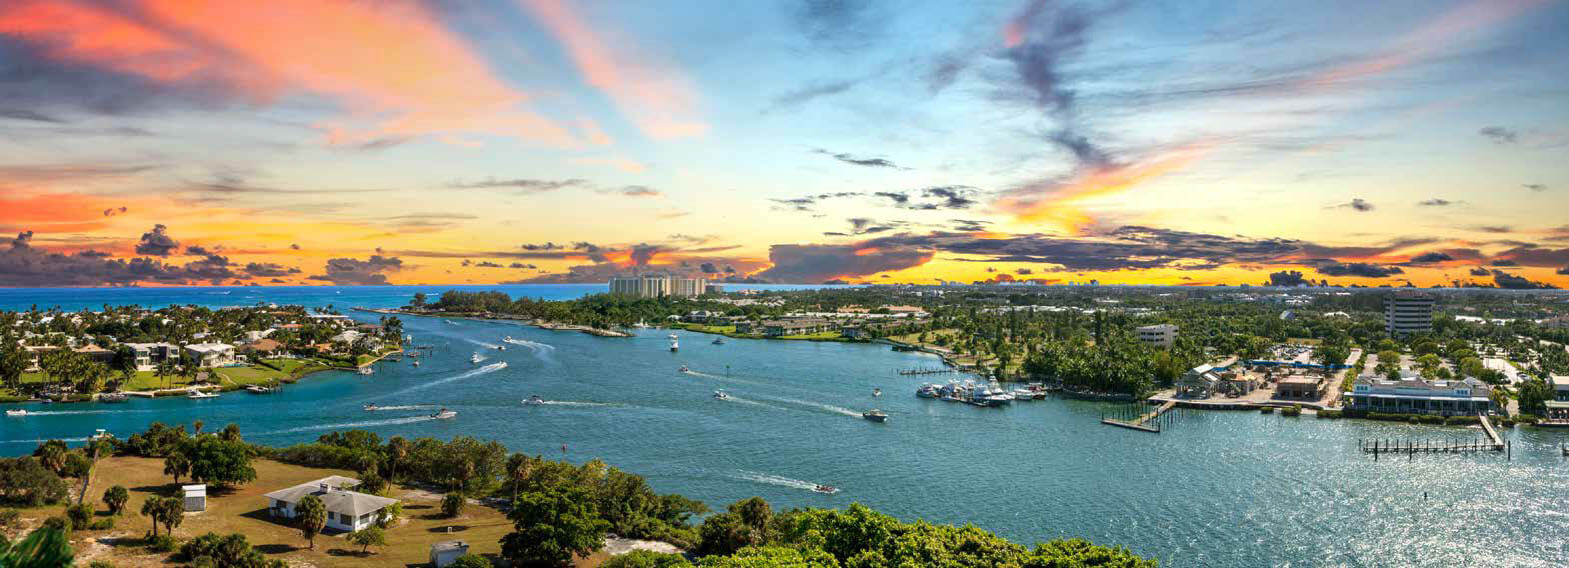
1525, 254
112, 211
1535, 186
1436, 202
269, 270
1123, 248
543, 247
1500, 135
858, 161
47, 86
25, 266
1286, 278
932, 198
1358, 204
28, 116
638, 191
838, 24
807, 202
212, 268
522, 266
156, 242
1084, 151
644, 253
523, 185
816, 263
1563, 271
709, 268
805, 94
1505, 262
1479, 271
1431, 257
1359, 270
294, 246
487, 264
900, 200
1493, 229
355, 272
968, 225
1023, 271
197, 250
1511, 282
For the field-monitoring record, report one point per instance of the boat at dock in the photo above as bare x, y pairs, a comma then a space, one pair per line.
366, 371
113, 397
258, 389
719, 341
875, 415
927, 390
444, 414
199, 394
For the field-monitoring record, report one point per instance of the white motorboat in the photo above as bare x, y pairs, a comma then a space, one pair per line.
366, 371
825, 489
683, 369
416, 362
258, 389
16, 412
875, 415
533, 401
371, 408
675, 344
720, 395
475, 359
445, 414
877, 392
113, 397
199, 394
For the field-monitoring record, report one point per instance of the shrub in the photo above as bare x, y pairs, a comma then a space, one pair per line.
646, 559
1266, 410
231, 551
100, 564
115, 499
80, 515
452, 505
470, 561
61, 524
102, 524
161, 543
1329, 414
25, 481
9, 517
1293, 410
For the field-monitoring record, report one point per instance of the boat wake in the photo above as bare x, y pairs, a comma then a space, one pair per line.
487, 369
817, 405
769, 479
403, 407
71, 412
483, 344
40, 441
535, 345
577, 403
724, 378
349, 425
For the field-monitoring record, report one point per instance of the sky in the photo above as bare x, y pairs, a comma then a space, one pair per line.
290, 142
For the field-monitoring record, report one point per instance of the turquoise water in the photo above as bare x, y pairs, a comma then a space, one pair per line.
1215, 489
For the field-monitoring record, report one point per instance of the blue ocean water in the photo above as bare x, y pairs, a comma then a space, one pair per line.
1216, 489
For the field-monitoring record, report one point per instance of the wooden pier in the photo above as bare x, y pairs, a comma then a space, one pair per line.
928, 371
1144, 422
1492, 443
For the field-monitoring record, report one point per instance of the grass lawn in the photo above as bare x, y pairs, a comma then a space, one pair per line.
722, 329
819, 336
244, 510
232, 376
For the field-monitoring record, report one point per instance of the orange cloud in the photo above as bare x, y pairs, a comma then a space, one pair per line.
653, 95
1057, 202
391, 65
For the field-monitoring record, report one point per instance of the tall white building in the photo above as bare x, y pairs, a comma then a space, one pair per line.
1162, 335
658, 286
1407, 312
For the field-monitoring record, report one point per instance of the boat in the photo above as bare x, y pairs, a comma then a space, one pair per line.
113, 397
825, 489
445, 414
367, 371
258, 389
16, 412
927, 390
875, 415
533, 400
683, 369
371, 408
416, 363
720, 395
719, 341
475, 359
675, 345
199, 394
507, 339
877, 392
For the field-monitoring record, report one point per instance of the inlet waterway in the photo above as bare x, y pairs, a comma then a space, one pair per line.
1228, 489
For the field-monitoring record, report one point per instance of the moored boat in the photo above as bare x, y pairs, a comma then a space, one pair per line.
258, 389
719, 341
199, 394
927, 390
366, 371
113, 397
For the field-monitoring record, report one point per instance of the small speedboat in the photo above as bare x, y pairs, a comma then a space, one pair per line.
416, 363
719, 341
534, 400
371, 408
16, 412
720, 395
877, 391
875, 415
825, 489
475, 359
366, 371
258, 389
501, 348
445, 414
683, 369
199, 394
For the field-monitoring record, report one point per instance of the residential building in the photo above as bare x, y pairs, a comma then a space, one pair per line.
1558, 407
96, 353
1407, 312
346, 510
1415, 395
803, 326
149, 355
658, 286
261, 348
211, 354
1162, 335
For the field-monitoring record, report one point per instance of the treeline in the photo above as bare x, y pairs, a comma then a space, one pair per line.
1116, 365
599, 310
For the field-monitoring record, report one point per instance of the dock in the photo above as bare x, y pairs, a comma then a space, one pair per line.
1492, 443
928, 371
1146, 422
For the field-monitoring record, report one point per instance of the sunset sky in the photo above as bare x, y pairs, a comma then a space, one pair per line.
168, 142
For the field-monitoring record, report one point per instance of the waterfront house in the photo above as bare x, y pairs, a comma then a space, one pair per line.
149, 355
96, 353
747, 327
1414, 395
1198, 382
261, 347
348, 336
1558, 407
211, 354
347, 510
803, 326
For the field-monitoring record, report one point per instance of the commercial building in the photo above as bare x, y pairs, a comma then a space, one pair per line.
656, 286
1408, 312
1415, 395
1163, 335
1558, 407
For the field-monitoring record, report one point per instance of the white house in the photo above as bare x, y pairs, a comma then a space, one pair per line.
346, 510
149, 355
211, 354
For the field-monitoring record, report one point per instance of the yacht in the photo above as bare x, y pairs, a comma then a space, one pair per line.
875, 415
533, 400
16, 412
113, 397
474, 359
674, 345
199, 394
445, 414
927, 390
258, 389
720, 395
367, 371
826, 489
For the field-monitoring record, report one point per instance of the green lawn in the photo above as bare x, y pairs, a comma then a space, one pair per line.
228, 376
720, 329
819, 336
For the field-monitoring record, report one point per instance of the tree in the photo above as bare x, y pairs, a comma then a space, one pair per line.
368, 537
646, 559
115, 499
311, 516
13, 362
215, 460
80, 514
166, 511
231, 433
553, 526
470, 561
452, 505
177, 465
52, 454
43, 548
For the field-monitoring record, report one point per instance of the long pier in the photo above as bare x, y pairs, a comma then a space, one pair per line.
1143, 422
928, 371
1492, 443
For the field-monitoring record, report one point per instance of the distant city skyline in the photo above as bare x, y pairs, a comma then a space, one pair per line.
159, 142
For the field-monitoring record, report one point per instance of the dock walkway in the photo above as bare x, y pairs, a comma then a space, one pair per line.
1142, 423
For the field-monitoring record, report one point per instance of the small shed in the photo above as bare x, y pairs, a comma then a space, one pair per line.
444, 553
195, 498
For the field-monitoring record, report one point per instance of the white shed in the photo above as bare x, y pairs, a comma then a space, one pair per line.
195, 498
444, 553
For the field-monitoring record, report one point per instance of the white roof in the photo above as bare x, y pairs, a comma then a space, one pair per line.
332, 493
209, 347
